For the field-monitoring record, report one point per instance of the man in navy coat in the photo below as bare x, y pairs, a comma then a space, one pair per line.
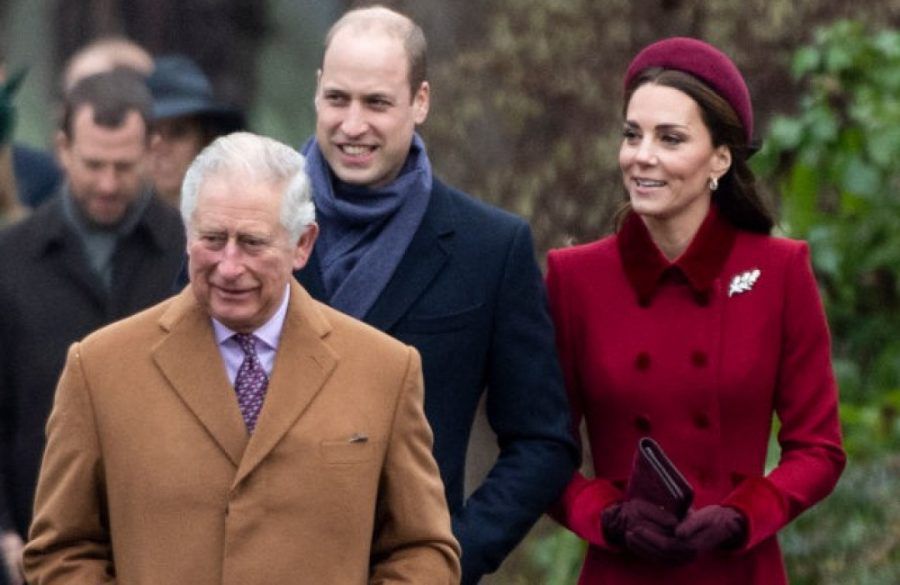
441, 271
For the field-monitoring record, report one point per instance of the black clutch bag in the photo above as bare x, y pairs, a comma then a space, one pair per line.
654, 478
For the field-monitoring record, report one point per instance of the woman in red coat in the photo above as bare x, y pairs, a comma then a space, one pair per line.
692, 325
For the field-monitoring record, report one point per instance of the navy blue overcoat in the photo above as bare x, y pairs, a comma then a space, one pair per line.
468, 296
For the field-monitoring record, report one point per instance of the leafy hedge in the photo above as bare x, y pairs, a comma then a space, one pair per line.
836, 165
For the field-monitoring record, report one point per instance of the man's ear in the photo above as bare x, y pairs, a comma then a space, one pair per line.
421, 103
318, 85
63, 147
305, 244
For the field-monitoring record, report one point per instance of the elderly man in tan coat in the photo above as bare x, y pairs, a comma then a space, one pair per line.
240, 432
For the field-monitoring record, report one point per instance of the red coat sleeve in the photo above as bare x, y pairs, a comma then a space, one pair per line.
806, 403
584, 499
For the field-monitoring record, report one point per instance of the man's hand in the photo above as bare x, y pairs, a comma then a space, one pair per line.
11, 546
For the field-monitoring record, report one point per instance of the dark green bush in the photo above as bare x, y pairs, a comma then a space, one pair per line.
835, 166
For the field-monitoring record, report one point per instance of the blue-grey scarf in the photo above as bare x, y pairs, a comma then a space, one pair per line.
365, 232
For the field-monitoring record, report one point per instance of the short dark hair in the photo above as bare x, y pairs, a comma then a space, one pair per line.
112, 94
397, 25
737, 197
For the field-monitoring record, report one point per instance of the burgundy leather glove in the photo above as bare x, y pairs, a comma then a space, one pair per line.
713, 528
645, 530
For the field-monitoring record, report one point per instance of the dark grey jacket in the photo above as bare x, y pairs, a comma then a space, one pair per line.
49, 298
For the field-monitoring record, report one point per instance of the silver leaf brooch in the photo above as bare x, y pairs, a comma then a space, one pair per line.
743, 282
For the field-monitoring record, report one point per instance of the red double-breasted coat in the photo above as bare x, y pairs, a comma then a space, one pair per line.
698, 354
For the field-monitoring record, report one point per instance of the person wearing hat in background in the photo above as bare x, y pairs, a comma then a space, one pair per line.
186, 118
692, 325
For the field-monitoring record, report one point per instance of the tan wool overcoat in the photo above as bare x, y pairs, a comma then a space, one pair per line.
150, 476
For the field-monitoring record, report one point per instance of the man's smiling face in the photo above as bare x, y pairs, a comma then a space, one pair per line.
365, 114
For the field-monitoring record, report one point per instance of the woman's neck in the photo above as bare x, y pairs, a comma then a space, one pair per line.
673, 235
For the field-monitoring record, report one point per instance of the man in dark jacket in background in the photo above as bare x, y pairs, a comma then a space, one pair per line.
440, 271
105, 248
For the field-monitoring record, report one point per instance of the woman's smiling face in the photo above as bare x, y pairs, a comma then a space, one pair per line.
667, 156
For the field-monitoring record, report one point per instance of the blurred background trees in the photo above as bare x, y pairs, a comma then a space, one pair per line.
527, 114
539, 108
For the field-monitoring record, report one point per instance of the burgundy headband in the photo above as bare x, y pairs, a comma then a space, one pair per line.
704, 62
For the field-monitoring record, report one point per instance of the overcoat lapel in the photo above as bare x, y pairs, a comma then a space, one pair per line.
302, 365
189, 358
427, 254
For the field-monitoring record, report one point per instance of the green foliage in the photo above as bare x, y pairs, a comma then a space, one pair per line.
854, 535
835, 165
558, 557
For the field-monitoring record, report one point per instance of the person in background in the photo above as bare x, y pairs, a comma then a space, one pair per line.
241, 432
36, 175
28, 176
105, 54
693, 325
186, 118
447, 274
102, 249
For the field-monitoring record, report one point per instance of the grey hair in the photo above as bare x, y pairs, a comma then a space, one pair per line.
257, 159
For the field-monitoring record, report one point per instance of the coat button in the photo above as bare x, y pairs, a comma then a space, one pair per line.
701, 421
699, 359
642, 361
642, 423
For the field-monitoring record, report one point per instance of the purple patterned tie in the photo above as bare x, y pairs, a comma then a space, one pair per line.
251, 381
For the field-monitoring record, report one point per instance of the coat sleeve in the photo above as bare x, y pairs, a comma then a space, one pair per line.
69, 539
413, 542
806, 403
527, 410
584, 499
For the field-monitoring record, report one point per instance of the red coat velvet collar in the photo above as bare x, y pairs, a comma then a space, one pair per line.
646, 267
